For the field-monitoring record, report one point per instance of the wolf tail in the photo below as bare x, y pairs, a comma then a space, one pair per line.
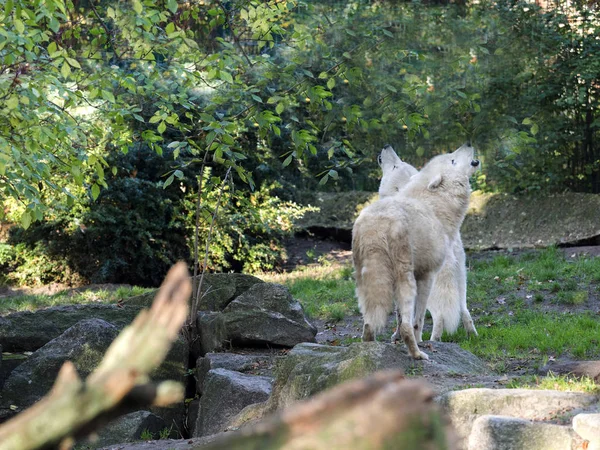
444, 300
374, 284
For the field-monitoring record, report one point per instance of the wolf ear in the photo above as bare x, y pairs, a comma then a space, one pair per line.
435, 183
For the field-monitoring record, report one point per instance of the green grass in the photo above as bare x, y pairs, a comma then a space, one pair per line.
326, 292
38, 301
556, 382
522, 305
533, 335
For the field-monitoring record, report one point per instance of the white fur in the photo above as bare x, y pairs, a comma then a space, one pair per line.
403, 241
448, 299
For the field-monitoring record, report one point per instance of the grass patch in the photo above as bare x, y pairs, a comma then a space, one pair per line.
556, 382
534, 336
325, 292
39, 301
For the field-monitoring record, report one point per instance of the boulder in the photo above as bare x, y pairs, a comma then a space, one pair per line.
128, 428
219, 289
251, 364
464, 407
211, 328
83, 344
312, 368
226, 393
509, 433
27, 331
577, 368
267, 314
588, 427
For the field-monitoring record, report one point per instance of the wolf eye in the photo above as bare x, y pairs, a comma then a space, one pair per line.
379, 159
453, 163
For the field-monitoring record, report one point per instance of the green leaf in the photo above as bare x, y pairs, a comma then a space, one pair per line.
155, 119
179, 174
107, 95
279, 108
12, 102
65, 70
225, 76
20, 27
331, 83
54, 25
323, 180
534, 129
73, 63
527, 121
287, 161
137, 6
26, 219
347, 56
170, 28
114, 171
52, 47
172, 6
161, 127
256, 98
168, 181
95, 191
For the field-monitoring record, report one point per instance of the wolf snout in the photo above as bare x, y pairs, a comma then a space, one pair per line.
475, 162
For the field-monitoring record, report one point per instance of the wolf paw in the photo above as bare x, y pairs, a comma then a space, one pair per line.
421, 355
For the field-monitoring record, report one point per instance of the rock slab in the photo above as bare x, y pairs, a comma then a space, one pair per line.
509, 433
83, 344
226, 393
465, 407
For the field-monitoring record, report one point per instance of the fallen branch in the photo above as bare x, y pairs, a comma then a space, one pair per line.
382, 411
74, 408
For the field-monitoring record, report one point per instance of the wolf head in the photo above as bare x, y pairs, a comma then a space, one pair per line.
455, 167
396, 173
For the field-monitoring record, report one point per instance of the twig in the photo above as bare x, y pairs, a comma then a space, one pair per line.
212, 223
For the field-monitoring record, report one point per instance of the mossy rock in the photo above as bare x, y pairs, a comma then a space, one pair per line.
311, 368
83, 344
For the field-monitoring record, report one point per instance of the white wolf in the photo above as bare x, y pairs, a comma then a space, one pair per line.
448, 298
399, 243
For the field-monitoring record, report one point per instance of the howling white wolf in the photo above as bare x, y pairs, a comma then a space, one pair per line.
448, 298
399, 243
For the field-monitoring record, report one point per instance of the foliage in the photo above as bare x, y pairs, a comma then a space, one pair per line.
249, 228
137, 229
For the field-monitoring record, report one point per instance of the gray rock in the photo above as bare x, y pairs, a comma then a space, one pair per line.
578, 368
226, 393
10, 361
27, 331
219, 289
254, 364
84, 344
128, 428
464, 407
193, 409
588, 427
312, 368
509, 433
213, 334
267, 314
170, 444
175, 368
